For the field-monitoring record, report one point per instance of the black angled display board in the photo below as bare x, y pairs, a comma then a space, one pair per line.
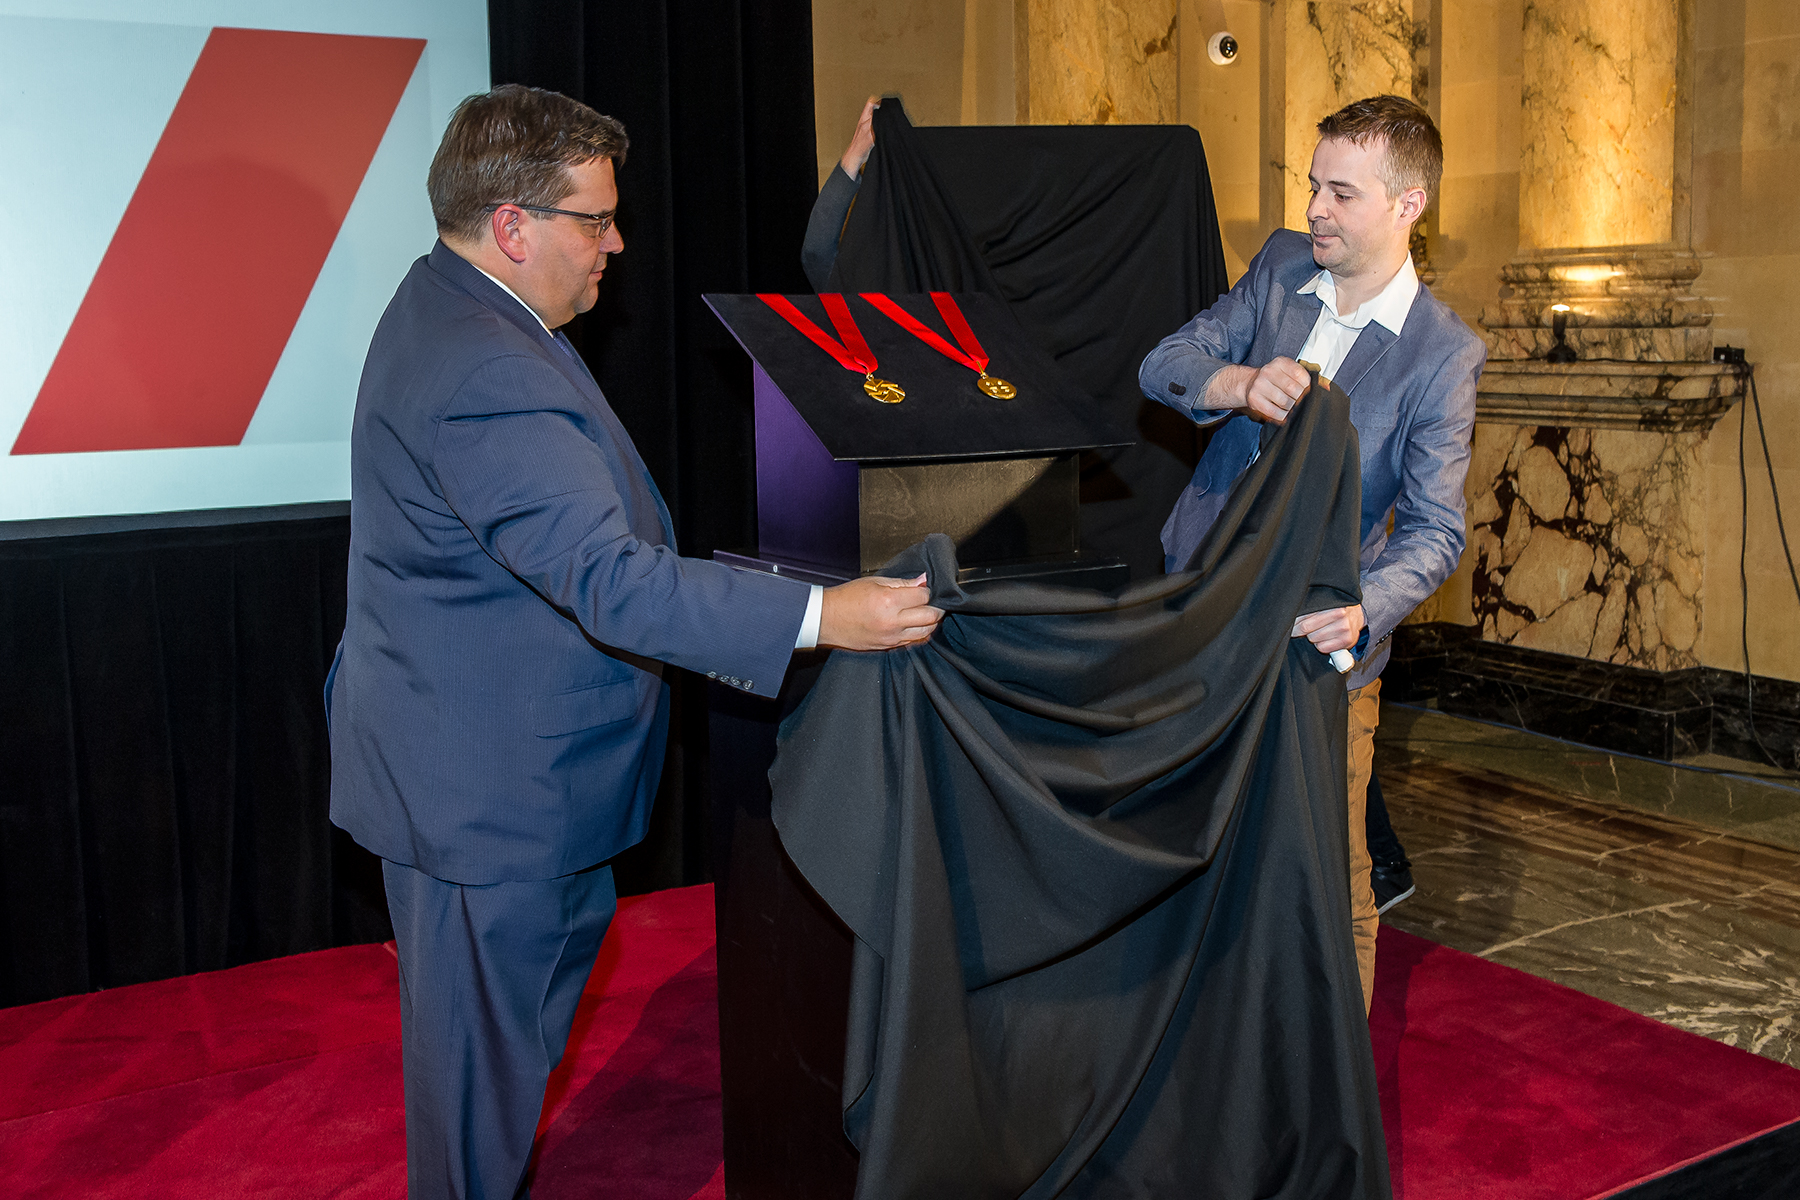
944, 414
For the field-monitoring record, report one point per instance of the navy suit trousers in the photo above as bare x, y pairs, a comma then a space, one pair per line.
489, 979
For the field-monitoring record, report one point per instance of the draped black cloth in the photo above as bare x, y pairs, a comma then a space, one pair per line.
1093, 850
1102, 239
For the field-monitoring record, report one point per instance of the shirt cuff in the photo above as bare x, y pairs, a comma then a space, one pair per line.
809, 624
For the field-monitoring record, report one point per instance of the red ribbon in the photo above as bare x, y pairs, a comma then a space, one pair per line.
854, 353
971, 355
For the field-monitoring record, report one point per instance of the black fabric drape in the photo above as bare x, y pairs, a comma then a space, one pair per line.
1093, 850
165, 763
716, 96
1103, 239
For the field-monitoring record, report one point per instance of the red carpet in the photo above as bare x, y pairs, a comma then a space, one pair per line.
283, 1079
1498, 1084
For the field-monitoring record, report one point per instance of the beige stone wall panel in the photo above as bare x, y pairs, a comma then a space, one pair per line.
909, 48
1747, 142
1224, 103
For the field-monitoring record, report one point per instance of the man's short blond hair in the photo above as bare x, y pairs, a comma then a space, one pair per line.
1415, 151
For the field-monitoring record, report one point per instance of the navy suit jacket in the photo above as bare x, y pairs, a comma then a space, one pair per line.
497, 708
1412, 402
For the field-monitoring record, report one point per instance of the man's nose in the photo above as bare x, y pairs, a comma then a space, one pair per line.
613, 242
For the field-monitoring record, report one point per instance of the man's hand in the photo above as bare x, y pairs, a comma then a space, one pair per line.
1267, 393
861, 142
876, 613
1332, 629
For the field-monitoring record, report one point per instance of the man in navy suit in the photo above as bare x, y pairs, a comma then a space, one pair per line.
497, 708
1344, 299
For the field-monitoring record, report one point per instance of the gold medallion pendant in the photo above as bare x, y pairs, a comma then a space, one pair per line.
883, 390
852, 353
999, 389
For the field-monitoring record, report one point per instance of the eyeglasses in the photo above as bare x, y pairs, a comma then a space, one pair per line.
601, 221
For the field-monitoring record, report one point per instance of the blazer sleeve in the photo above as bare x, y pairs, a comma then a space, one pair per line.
539, 495
825, 227
1178, 370
1429, 532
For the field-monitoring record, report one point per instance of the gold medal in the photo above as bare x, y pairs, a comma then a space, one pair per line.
970, 354
852, 353
883, 390
999, 389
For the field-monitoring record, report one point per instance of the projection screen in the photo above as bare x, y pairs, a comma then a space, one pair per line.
209, 205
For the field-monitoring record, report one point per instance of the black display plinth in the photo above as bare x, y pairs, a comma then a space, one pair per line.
843, 484
784, 973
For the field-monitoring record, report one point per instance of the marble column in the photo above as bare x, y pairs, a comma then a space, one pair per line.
1338, 51
1333, 52
1587, 492
1097, 62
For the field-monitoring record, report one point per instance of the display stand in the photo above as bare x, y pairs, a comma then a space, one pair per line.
844, 482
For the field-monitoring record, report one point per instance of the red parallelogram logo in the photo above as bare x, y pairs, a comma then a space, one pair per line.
219, 248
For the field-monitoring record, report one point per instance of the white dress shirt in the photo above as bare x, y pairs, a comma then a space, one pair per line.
1333, 334
815, 600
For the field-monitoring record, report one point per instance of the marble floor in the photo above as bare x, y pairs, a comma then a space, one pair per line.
1671, 891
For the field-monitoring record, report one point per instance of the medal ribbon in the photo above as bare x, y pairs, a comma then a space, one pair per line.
854, 353
971, 355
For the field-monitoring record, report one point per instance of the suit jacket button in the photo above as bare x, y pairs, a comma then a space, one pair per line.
712, 674
1177, 389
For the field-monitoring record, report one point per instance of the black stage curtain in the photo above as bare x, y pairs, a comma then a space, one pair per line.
1093, 850
717, 98
165, 780
166, 768
1103, 239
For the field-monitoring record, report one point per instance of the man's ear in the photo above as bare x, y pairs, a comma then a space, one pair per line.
1412, 204
507, 225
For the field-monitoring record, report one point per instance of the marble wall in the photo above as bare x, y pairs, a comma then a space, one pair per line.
1597, 160
1589, 542
1339, 51
1101, 62
1746, 144
1745, 133
1225, 104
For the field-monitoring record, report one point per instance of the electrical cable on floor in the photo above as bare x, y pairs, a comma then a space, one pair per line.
1743, 554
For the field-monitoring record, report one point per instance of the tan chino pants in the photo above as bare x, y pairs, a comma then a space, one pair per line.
1365, 714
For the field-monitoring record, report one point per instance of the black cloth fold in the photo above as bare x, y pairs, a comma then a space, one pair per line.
1101, 239
1093, 850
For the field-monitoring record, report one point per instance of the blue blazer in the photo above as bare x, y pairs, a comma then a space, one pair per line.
1412, 401
497, 708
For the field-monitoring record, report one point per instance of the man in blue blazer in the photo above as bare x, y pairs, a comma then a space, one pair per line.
497, 708
1344, 299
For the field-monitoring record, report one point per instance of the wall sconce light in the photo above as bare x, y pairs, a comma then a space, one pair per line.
1562, 352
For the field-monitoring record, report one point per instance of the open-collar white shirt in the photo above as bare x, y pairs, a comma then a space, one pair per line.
1333, 333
